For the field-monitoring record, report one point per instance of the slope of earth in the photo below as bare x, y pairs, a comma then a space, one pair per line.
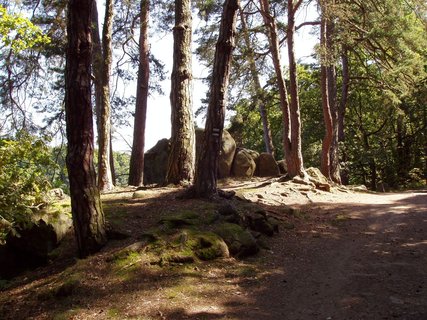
339, 255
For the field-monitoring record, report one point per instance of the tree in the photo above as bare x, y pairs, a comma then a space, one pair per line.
136, 168
88, 217
256, 83
294, 161
291, 113
325, 89
182, 154
205, 184
102, 60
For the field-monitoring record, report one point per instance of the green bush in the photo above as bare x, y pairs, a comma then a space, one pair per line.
25, 164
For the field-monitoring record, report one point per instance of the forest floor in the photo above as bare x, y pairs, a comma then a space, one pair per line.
338, 255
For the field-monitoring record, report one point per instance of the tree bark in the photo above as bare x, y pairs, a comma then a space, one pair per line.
342, 110
182, 155
295, 163
205, 184
327, 117
270, 23
105, 179
88, 217
136, 170
257, 89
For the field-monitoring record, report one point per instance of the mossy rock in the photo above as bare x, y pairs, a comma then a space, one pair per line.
240, 242
211, 246
185, 218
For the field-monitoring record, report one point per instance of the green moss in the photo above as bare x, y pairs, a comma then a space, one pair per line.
183, 218
113, 313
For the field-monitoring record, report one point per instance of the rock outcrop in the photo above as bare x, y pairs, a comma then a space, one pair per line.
267, 166
244, 164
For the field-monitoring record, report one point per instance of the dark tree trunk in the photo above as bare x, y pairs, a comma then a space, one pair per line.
205, 184
136, 170
105, 180
88, 217
257, 89
270, 23
182, 155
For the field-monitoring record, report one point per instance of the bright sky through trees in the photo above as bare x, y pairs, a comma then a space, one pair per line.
158, 114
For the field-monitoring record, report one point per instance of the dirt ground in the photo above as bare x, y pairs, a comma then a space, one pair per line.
339, 255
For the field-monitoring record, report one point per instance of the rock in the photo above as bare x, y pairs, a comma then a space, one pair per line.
240, 242
156, 163
244, 164
283, 168
227, 209
260, 222
210, 247
229, 213
31, 247
320, 181
226, 156
315, 174
186, 218
267, 166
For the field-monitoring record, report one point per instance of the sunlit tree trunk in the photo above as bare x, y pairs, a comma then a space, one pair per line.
325, 90
342, 110
136, 169
182, 155
88, 217
205, 184
105, 180
268, 141
283, 94
295, 162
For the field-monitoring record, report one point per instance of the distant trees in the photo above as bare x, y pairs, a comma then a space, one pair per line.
88, 217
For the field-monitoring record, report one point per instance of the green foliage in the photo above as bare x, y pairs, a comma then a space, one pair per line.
19, 33
25, 165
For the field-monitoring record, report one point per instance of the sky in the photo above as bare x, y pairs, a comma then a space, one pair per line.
158, 122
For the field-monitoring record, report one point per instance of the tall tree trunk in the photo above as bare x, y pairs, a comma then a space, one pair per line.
182, 155
136, 169
270, 23
335, 167
342, 110
97, 65
327, 117
295, 162
205, 184
105, 180
257, 89
88, 217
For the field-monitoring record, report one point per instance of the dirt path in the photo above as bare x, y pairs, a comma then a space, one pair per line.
363, 258
342, 256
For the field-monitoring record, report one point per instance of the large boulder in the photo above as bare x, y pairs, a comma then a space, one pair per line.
244, 164
240, 241
226, 156
30, 247
156, 163
267, 165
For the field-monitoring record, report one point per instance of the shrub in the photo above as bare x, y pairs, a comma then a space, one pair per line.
25, 164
